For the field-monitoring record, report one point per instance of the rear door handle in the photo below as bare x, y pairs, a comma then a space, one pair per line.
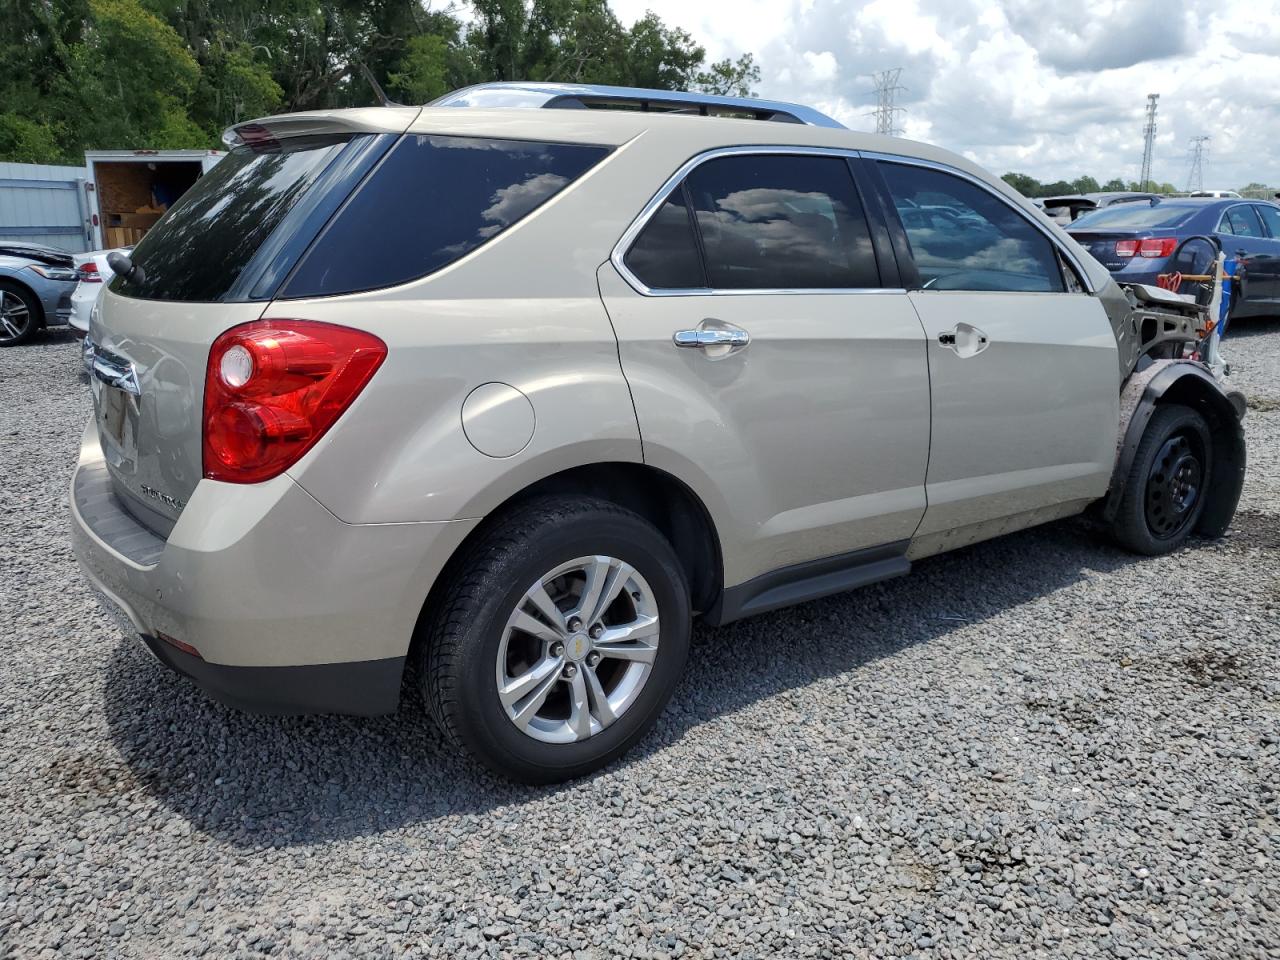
711, 338
715, 338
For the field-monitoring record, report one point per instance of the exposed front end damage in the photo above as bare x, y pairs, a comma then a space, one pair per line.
1168, 354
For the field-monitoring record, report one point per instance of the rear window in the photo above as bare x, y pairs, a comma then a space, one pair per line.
200, 247
432, 200
1134, 217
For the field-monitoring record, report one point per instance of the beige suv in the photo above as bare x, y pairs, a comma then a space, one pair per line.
512, 387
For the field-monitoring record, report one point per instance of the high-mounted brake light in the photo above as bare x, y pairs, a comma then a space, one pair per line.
272, 389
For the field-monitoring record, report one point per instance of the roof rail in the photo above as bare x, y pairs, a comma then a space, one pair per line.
577, 96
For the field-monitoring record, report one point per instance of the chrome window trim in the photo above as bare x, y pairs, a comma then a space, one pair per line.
642, 220
616, 257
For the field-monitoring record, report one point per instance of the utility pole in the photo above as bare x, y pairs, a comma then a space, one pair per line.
1199, 149
1148, 141
887, 90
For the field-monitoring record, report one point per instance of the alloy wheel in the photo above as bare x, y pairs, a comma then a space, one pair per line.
577, 650
14, 317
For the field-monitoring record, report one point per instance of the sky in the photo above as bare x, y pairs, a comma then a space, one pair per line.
1016, 87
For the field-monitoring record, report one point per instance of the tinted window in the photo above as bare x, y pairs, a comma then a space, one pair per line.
1271, 217
1135, 217
1241, 221
432, 200
665, 255
199, 248
964, 238
771, 222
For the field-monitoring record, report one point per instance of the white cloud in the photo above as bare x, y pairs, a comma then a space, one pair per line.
1023, 84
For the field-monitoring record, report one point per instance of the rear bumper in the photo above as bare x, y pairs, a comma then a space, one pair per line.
366, 687
287, 608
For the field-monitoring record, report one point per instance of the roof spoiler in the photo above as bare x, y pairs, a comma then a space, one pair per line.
576, 96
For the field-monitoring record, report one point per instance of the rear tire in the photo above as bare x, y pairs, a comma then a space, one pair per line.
1167, 485
503, 635
20, 315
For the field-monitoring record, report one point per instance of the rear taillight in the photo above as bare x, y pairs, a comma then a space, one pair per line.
272, 389
1126, 248
1157, 247
88, 273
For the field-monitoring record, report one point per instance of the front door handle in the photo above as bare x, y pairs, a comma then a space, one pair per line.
965, 339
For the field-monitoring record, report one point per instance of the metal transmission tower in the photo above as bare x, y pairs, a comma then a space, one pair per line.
1148, 141
886, 111
1199, 150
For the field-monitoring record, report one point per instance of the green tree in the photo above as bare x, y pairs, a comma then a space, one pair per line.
1114, 184
1085, 184
1026, 185
730, 78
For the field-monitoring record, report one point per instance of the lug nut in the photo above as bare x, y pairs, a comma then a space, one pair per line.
596, 631
574, 624
569, 671
593, 660
557, 649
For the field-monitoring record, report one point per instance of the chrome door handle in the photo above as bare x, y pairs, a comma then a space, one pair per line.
711, 338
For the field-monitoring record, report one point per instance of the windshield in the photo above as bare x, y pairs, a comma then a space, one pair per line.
1131, 216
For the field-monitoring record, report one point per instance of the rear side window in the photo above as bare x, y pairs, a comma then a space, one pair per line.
964, 238
432, 200
1241, 221
201, 246
781, 222
665, 254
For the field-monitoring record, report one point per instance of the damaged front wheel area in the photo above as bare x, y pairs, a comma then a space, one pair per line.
1168, 482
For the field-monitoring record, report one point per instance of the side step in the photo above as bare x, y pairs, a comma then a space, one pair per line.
809, 581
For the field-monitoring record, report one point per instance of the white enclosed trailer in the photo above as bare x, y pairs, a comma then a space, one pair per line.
127, 191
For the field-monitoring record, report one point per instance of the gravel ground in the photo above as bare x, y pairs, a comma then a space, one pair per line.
1036, 747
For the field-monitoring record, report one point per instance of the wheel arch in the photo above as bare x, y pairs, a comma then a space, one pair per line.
1189, 384
660, 497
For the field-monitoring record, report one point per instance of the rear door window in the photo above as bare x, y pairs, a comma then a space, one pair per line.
665, 254
200, 247
432, 200
1241, 221
781, 222
963, 237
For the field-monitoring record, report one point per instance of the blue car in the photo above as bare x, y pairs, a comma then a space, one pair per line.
1139, 241
36, 284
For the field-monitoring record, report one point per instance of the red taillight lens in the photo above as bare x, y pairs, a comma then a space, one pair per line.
272, 389
1157, 247
88, 273
1126, 248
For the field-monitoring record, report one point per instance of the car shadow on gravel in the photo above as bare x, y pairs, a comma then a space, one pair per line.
278, 781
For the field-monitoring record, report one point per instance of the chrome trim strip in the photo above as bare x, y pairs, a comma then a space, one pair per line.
544, 95
659, 198
115, 371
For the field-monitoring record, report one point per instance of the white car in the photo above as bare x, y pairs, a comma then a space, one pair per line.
94, 274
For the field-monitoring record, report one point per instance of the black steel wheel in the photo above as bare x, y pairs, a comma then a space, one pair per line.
1167, 484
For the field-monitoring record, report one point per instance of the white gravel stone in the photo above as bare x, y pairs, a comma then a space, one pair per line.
1036, 747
